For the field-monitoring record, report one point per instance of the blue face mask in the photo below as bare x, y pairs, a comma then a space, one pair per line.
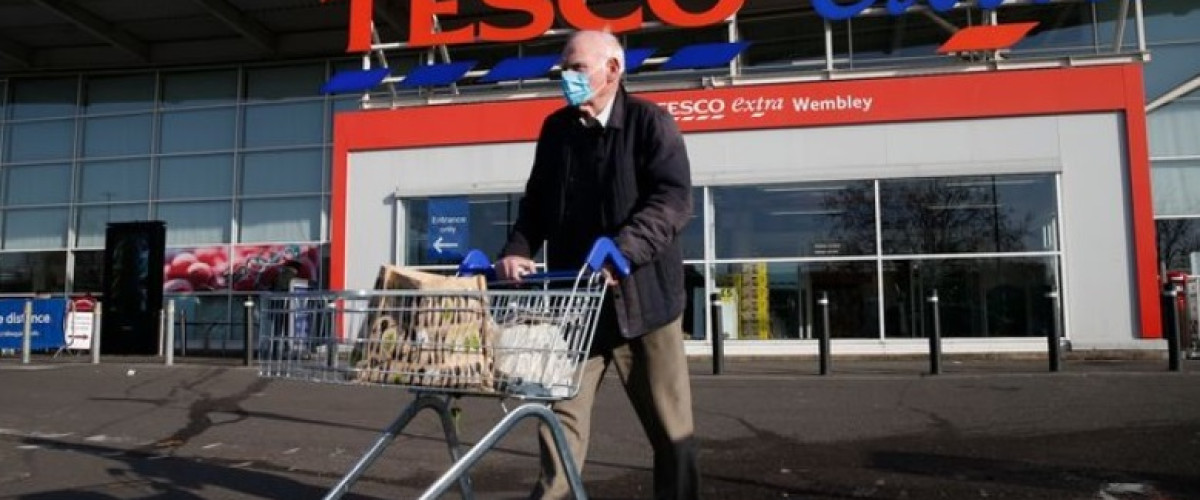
576, 88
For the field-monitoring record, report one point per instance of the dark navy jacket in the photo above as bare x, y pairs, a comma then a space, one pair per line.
630, 181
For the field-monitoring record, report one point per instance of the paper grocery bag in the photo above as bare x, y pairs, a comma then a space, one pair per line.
437, 336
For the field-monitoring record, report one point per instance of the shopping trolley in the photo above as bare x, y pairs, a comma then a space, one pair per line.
526, 341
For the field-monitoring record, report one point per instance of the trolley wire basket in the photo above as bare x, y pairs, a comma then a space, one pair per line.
459, 337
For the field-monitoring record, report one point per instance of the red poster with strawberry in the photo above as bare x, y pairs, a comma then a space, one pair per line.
252, 267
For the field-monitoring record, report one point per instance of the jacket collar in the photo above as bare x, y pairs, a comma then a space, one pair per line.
617, 118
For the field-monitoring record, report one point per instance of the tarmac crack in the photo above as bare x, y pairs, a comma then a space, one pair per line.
938, 422
200, 414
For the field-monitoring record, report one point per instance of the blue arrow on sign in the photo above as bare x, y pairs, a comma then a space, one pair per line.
449, 228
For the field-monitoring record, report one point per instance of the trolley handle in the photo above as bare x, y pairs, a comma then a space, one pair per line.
604, 251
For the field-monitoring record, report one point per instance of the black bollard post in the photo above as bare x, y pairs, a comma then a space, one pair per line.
1055, 338
823, 344
935, 340
1171, 325
718, 335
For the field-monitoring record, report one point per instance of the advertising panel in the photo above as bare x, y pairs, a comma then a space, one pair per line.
249, 268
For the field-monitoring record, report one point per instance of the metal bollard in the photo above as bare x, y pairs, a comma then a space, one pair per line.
27, 336
170, 333
183, 333
935, 340
1055, 338
162, 316
96, 329
823, 344
1171, 326
249, 347
718, 335
331, 345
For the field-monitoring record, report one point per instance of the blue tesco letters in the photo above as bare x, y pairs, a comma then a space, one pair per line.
839, 10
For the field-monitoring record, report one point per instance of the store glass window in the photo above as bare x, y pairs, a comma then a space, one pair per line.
492, 218
89, 272
208, 323
292, 123
40, 140
282, 172
779, 300
1168, 20
195, 223
489, 220
995, 297
42, 98
1016, 213
342, 103
878, 41
199, 88
691, 240
1108, 14
1073, 27
33, 272
1174, 65
37, 184
784, 41
795, 220
35, 228
695, 309
285, 82
197, 130
1172, 128
116, 180
1175, 182
92, 221
122, 135
118, 94
1179, 244
195, 176
280, 220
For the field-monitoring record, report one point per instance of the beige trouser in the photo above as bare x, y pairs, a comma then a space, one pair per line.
653, 370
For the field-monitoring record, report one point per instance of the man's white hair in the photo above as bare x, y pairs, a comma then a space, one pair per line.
611, 45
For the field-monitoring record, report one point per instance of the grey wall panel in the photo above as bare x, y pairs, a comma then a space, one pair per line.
370, 228
1099, 277
1016, 139
842, 147
891, 150
451, 170
910, 144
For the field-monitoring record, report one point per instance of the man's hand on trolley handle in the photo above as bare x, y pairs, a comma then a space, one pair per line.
515, 268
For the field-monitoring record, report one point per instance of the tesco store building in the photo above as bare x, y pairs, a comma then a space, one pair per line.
1025, 161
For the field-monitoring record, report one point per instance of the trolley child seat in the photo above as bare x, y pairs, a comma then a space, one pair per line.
527, 341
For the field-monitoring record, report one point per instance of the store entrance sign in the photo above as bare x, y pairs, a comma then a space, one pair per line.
541, 15
449, 228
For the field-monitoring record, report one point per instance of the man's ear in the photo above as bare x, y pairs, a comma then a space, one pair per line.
614, 69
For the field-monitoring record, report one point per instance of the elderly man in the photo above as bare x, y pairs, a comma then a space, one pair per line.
611, 164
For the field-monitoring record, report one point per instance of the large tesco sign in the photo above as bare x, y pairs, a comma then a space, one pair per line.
578, 15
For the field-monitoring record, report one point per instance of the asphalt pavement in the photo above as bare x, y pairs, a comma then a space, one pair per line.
767, 428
